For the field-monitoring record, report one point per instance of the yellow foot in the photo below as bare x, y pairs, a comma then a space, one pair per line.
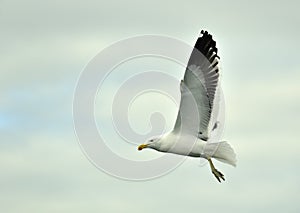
216, 173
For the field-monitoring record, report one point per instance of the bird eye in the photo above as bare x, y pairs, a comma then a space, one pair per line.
151, 140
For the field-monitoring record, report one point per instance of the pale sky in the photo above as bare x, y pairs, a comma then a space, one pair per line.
46, 45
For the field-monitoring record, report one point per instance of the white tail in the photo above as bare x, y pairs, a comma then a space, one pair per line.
221, 151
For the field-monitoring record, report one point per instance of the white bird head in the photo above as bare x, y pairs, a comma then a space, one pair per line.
153, 143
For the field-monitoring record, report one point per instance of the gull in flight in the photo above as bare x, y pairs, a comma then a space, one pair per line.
197, 118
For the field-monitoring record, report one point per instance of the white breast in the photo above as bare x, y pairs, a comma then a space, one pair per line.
187, 145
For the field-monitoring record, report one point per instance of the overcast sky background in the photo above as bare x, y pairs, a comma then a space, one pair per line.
46, 45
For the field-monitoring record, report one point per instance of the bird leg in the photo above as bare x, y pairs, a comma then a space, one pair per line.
216, 173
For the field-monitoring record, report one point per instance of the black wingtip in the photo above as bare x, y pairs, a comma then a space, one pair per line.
204, 32
206, 45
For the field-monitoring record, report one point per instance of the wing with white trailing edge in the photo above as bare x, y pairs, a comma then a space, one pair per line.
200, 88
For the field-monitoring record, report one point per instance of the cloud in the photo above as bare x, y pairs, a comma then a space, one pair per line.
44, 48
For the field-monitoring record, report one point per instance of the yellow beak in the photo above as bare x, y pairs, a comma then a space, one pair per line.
142, 146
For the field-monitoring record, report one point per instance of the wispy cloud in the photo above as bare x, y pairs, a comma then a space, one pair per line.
44, 48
